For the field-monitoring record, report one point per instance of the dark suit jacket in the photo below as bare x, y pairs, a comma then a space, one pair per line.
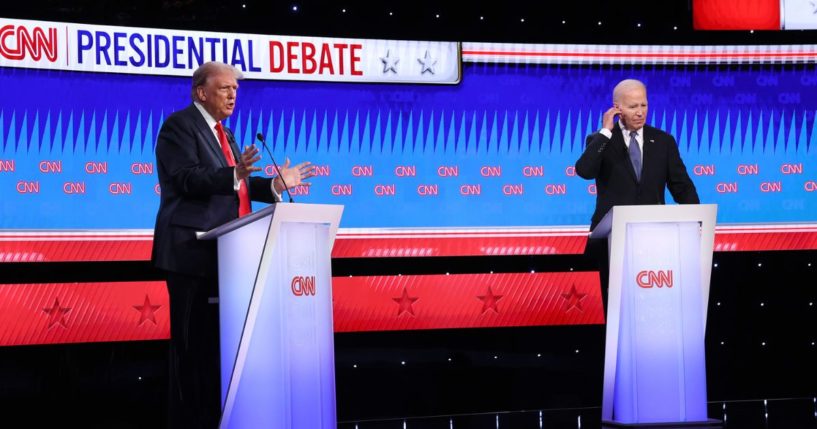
197, 193
608, 161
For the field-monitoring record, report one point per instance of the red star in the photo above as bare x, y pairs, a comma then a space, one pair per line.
573, 299
56, 314
405, 302
489, 301
147, 311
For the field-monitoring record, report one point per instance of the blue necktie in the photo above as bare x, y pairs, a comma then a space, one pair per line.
635, 155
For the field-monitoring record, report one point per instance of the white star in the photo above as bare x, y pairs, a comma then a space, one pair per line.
389, 62
428, 63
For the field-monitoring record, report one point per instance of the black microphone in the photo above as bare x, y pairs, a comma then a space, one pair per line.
260, 138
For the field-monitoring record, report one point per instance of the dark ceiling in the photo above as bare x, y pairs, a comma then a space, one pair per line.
577, 21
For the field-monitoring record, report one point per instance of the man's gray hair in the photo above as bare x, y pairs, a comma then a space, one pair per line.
627, 85
208, 69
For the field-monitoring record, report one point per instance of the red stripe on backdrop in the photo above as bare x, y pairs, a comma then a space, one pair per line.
758, 54
736, 14
109, 248
388, 303
457, 246
59, 313
76, 250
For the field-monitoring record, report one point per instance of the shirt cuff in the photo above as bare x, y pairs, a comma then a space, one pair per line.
236, 182
274, 192
606, 133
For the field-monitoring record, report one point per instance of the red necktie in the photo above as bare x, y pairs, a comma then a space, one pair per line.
243, 195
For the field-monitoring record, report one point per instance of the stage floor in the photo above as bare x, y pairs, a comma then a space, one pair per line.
793, 413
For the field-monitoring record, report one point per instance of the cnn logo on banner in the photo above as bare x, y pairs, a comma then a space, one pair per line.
17, 42
303, 286
649, 279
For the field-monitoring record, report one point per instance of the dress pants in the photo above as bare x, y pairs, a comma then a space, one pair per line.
194, 377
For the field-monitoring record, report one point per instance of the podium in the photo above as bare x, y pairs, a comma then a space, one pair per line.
275, 311
660, 267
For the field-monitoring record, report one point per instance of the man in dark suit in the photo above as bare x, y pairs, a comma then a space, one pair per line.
633, 163
205, 182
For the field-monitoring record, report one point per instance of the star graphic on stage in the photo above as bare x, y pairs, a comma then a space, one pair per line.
573, 299
428, 63
56, 314
405, 302
389, 62
147, 311
489, 301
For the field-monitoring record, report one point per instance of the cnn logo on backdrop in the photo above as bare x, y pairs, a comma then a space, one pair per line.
303, 286
18, 42
649, 279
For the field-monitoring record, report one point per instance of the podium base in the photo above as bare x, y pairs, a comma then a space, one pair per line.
708, 423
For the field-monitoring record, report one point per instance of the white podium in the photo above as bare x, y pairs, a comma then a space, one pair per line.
660, 267
275, 309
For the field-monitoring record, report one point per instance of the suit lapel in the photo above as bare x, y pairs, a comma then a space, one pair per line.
618, 143
648, 151
208, 136
233, 143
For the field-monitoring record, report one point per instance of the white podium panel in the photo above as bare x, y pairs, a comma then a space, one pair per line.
655, 362
275, 300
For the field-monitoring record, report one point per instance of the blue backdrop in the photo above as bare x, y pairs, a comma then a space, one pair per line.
76, 149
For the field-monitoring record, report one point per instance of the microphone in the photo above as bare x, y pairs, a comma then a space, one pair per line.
260, 138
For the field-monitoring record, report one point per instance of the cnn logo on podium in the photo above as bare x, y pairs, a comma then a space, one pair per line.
303, 286
658, 278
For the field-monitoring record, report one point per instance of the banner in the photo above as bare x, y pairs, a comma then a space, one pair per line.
107, 49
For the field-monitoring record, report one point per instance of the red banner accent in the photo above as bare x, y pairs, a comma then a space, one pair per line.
75, 247
736, 14
57, 313
386, 303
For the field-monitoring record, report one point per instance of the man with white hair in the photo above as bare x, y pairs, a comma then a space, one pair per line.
632, 163
205, 182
